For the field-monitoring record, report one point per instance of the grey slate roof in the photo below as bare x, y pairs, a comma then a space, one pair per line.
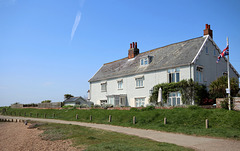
74, 99
170, 56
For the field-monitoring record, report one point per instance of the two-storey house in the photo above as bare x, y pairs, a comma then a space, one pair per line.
129, 81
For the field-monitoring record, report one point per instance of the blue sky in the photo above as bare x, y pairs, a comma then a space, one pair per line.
49, 48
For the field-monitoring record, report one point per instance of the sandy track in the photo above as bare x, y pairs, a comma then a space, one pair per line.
17, 137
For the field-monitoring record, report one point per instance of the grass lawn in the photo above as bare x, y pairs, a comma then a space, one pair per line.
222, 123
98, 140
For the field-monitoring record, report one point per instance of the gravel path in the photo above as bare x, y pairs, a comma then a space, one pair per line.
197, 143
17, 136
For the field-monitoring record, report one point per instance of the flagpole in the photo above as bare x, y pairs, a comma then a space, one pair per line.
229, 95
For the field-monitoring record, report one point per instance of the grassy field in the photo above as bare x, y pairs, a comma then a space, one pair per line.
222, 123
98, 140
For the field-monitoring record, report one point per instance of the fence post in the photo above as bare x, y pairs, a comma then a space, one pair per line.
30, 114
90, 117
45, 115
165, 120
76, 116
37, 115
134, 120
207, 124
25, 114
110, 118
53, 115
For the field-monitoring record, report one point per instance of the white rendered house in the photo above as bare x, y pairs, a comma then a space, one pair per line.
129, 81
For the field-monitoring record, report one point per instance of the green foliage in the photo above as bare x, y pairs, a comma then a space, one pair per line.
217, 88
225, 105
190, 90
194, 107
68, 96
67, 106
46, 101
148, 108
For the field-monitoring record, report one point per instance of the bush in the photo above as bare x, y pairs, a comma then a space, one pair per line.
224, 104
148, 108
134, 109
67, 106
194, 107
83, 106
97, 106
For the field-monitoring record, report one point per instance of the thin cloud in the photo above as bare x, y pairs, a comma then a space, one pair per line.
75, 25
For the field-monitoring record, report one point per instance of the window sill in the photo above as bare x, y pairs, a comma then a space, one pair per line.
104, 91
139, 87
120, 89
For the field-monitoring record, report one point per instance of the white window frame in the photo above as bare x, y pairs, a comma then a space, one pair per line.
104, 87
199, 74
120, 84
174, 97
140, 102
139, 82
174, 74
144, 61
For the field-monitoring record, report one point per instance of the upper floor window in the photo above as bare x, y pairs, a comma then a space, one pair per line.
144, 61
104, 87
206, 50
214, 52
174, 75
120, 84
139, 82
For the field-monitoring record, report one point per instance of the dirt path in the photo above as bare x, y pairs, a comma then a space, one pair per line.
197, 143
17, 136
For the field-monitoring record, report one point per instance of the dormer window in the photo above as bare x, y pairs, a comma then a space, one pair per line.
145, 61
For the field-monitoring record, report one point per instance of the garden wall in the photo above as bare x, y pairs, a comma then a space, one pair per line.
236, 103
50, 105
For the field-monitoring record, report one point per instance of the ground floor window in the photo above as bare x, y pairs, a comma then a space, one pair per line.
140, 102
174, 99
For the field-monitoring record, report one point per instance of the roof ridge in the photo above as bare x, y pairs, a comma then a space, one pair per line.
154, 49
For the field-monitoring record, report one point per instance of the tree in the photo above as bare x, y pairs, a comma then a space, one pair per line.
46, 101
217, 88
68, 96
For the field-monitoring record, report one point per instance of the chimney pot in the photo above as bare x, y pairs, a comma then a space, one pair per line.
206, 26
130, 45
135, 44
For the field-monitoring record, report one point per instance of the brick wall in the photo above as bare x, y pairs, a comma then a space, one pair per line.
236, 103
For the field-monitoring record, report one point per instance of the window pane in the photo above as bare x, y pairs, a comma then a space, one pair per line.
177, 69
141, 61
177, 77
170, 77
173, 77
178, 101
169, 101
174, 101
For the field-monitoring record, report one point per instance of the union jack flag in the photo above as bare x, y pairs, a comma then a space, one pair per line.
224, 53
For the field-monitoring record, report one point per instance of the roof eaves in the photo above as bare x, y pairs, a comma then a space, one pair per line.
199, 51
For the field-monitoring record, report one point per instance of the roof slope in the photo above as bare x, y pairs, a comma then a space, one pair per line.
74, 99
169, 56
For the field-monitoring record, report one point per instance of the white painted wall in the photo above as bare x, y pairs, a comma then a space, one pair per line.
129, 86
211, 69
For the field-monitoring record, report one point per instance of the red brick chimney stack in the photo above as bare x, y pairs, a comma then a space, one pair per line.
208, 31
133, 51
